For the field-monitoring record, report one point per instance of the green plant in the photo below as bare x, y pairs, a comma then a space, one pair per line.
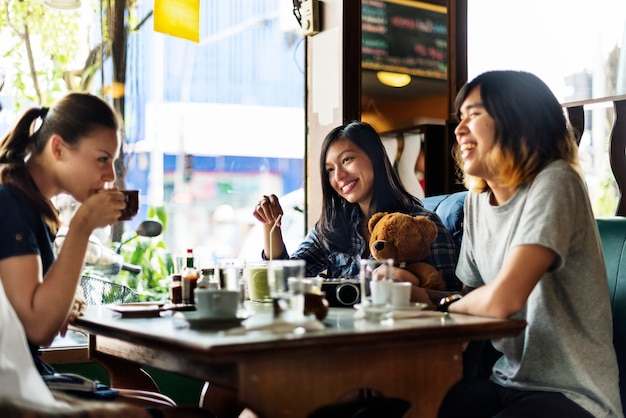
155, 261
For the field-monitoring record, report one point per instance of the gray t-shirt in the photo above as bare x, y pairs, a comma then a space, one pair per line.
568, 343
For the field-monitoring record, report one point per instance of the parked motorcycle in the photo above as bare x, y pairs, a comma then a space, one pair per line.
102, 263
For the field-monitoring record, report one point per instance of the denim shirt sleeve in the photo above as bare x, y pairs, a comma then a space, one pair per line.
444, 253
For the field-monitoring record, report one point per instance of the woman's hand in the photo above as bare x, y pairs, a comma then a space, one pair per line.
99, 210
77, 309
403, 275
268, 209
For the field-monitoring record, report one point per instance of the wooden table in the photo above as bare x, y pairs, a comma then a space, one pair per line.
291, 375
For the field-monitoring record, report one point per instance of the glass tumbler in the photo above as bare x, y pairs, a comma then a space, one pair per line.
375, 279
230, 274
278, 274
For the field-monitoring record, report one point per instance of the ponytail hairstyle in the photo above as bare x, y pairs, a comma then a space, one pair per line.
73, 118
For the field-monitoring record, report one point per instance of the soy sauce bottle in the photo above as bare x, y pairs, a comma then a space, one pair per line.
176, 289
189, 278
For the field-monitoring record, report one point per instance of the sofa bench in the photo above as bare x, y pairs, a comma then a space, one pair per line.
613, 240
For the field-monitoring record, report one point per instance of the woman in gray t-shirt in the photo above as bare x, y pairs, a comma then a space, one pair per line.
531, 251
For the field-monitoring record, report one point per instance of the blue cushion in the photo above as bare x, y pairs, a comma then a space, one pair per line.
449, 207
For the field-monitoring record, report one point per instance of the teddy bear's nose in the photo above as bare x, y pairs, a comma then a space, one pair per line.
379, 245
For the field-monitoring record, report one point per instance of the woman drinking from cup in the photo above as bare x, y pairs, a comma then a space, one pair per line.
72, 150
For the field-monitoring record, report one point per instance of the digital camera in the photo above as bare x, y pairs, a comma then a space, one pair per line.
342, 293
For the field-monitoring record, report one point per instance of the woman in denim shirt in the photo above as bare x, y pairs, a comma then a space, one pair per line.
358, 180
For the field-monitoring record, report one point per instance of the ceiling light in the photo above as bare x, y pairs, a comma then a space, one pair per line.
62, 4
393, 79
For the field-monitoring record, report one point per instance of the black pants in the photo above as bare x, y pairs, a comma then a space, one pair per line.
483, 398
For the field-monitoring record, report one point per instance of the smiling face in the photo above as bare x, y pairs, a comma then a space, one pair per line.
475, 136
350, 172
85, 168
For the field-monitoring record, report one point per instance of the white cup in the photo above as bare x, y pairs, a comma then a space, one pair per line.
380, 291
400, 294
216, 303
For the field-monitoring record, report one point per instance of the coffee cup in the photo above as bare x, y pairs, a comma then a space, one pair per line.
316, 304
216, 303
132, 204
400, 294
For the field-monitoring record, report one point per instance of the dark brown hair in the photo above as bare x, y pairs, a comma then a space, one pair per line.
73, 117
531, 129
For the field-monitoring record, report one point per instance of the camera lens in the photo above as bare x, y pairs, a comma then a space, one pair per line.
347, 294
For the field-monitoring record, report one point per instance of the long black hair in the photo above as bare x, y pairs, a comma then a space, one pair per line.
73, 117
389, 195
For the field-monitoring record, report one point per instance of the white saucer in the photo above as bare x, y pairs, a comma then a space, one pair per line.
198, 322
137, 309
417, 306
411, 307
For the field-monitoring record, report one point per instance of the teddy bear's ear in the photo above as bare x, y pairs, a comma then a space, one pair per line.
374, 220
428, 228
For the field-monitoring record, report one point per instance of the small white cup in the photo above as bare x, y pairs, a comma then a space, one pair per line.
380, 291
400, 294
216, 303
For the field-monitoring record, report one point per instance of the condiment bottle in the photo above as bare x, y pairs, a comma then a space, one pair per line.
190, 278
176, 289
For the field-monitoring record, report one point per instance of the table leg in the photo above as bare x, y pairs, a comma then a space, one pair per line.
122, 373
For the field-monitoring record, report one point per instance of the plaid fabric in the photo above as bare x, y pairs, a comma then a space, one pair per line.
444, 252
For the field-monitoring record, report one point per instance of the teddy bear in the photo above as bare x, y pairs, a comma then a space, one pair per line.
407, 240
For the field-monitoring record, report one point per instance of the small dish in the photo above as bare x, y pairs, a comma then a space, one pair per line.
414, 310
138, 309
411, 307
373, 313
204, 323
179, 307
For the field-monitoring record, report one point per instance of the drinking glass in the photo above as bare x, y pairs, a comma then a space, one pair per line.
256, 276
375, 278
230, 274
278, 274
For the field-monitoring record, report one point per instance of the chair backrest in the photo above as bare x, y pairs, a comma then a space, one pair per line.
613, 239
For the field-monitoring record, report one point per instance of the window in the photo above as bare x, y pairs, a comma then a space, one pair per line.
219, 123
577, 48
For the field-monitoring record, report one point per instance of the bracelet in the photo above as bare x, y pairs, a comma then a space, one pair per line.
444, 303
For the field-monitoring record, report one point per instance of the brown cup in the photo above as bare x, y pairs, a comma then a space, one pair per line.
316, 304
132, 204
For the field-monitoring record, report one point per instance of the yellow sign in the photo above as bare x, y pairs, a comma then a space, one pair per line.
180, 18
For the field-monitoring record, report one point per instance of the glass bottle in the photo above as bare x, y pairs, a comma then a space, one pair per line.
190, 278
176, 289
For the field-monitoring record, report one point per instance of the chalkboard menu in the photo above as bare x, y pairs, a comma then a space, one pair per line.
404, 36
